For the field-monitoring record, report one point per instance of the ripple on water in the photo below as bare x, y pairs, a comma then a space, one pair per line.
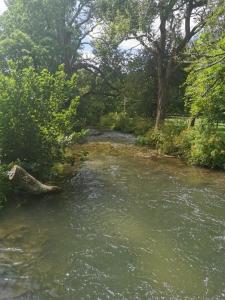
127, 228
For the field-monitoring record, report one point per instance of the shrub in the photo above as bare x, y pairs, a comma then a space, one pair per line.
142, 140
183, 142
164, 139
36, 111
207, 150
141, 125
124, 123
202, 146
117, 121
108, 122
150, 138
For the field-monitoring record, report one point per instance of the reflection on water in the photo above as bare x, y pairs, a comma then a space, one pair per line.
127, 227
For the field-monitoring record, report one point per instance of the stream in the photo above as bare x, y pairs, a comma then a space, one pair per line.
129, 225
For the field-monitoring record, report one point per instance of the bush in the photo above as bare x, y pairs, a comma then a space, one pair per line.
141, 125
183, 142
150, 138
36, 111
202, 146
117, 121
124, 123
207, 150
108, 122
164, 139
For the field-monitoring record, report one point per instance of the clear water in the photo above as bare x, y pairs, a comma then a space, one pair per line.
126, 227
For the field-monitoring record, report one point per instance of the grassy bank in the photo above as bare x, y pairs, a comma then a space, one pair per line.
202, 145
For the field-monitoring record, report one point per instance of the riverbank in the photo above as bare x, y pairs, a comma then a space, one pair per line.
200, 145
121, 144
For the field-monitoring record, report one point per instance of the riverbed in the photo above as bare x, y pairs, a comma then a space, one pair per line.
129, 225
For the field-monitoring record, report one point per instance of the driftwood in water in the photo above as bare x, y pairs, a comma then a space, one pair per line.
28, 183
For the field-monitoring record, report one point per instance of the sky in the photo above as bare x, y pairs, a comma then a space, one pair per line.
2, 6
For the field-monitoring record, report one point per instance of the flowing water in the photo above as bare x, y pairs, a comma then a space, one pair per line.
128, 226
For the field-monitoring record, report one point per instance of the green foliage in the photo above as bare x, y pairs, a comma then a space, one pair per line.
141, 125
124, 123
95, 98
19, 47
45, 33
117, 121
205, 93
158, 27
164, 139
207, 149
202, 146
36, 111
108, 122
139, 86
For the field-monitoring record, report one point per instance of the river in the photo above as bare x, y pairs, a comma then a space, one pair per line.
129, 225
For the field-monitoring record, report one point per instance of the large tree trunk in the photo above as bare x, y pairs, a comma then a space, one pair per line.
162, 98
162, 68
161, 104
24, 181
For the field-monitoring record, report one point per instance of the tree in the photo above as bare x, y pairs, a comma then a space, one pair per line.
50, 32
164, 29
205, 91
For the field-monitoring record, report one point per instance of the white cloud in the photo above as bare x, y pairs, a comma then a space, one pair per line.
2, 6
127, 45
130, 44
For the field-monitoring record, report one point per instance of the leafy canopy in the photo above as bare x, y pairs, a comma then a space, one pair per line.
36, 111
205, 91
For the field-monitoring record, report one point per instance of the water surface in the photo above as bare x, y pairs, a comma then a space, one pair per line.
128, 226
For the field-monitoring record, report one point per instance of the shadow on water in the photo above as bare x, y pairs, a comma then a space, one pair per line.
130, 225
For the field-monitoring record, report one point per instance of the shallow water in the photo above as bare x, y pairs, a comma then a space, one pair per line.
127, 226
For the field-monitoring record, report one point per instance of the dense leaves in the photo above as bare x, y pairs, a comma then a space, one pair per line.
36, 111
163, 29
205, 84
49, 32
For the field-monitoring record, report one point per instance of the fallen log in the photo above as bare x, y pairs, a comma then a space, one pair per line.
26, 182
